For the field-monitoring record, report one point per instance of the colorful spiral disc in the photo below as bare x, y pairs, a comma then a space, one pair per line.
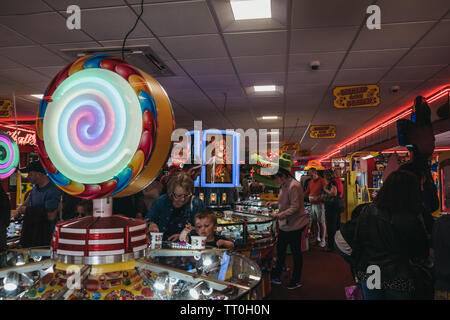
9, 155
103, 128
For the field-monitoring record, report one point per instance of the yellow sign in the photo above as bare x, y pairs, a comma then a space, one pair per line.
321, 132
23, 189
5, 108
356, 96
290, 146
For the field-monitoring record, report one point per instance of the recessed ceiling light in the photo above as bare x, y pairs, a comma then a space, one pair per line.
264, 88
269, 117
251, 9
39, 96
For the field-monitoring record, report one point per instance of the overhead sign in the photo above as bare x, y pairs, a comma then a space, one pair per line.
290, 146
23, 138
356, 96
322, 132
5, 108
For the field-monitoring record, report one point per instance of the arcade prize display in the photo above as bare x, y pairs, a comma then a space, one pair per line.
219, 153
103, 130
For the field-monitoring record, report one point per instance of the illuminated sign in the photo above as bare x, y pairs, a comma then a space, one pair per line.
5, 108
322, 132
290, 146
356, 96
22, 138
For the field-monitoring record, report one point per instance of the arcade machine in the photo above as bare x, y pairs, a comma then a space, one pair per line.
219, 179
444, 182
356, 190
9, 159
103, 130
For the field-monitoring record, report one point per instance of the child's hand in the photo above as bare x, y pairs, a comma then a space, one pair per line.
220, 243
189, 227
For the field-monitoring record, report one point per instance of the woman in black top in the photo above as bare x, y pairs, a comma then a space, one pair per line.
332, 210
390, 234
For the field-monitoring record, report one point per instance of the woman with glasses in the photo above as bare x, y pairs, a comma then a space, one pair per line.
172, 211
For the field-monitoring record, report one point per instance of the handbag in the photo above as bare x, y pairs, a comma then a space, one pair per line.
329, 199
354, 292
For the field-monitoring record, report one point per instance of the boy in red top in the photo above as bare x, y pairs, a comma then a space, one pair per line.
314, 192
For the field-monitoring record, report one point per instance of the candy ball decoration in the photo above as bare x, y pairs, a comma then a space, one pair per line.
9, 155
103, 128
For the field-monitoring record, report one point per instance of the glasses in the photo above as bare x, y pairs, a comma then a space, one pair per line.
181, 196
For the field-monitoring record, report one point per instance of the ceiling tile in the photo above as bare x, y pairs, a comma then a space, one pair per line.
444, 74
23, 7
323, 39
99, 30
32, 56
406, 10
373, 58
180, 18
49, 71
359, 76
217, 81
412, 73
177, 83
323, 13
438, 36
256, 43
252, 79
195, 47
54, 30
10, 38
6, 63
260, 64
391, 36
62, 5
207, 66
23, 75
427, 56
311, 77
306, 89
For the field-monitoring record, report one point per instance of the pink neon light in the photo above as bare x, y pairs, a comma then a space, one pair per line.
384, 124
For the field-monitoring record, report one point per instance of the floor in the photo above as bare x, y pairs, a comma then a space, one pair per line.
324, 277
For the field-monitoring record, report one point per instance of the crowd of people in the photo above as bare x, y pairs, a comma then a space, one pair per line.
395, 233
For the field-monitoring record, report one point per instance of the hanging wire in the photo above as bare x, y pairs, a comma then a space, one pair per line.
132, 29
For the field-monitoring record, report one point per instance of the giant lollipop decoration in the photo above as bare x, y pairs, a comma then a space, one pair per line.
9, 155
103, 130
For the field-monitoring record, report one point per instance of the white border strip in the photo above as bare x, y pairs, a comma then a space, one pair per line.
106, 253
140, 248
69, 241
70, 253
142, 226
108, 241
138, 238
102, 231
70, 230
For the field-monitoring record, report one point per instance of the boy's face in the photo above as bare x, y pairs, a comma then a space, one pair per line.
80, 211
205, 227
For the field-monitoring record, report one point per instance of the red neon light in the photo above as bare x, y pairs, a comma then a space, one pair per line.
384, 123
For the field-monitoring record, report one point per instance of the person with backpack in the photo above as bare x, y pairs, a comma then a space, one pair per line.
389, 235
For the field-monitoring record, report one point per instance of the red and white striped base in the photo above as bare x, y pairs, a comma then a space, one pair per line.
99, 236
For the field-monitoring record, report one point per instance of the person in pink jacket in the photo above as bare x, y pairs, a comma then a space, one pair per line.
292, 221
